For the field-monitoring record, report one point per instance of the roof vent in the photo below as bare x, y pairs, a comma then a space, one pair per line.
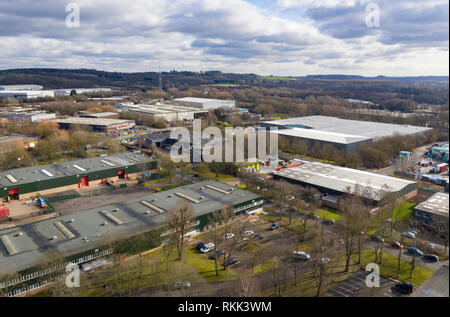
105, 223
155, 199
19, 234
53, 238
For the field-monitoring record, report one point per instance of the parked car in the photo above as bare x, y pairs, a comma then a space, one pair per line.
258, 237
242, 239
228, 235
248, 233
231, 262
403, 288
329, 221
303, 212
415, 251
431, 257
413, 231
302, 255
430, 246
218, 253
207, 248
325, 260
376, 238
274, 226
409, 235
397, 244
181, 285
200, 246
313, 216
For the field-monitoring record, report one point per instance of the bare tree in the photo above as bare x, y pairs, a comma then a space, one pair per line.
353, 211
247, 284
215, 220
231, 230
179, 224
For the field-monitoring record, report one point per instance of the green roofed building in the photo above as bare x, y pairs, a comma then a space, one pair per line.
71, 174
84, 231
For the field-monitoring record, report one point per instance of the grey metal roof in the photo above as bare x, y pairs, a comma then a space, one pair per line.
322, 135
42, 172
93, 121
89, 229
201, 100
436, 204
368, 129
340, 178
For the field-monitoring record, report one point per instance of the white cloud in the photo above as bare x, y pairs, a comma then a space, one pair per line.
233, 35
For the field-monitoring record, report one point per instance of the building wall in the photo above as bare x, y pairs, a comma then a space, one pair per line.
429, 218
67, 182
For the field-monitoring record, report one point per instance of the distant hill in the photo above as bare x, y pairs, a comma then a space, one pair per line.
411, 79
82, 78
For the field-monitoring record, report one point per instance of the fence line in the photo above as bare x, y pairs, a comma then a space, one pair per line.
47, 271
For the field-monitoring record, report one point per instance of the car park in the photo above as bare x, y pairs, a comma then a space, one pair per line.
258, 237
228, 235
376, 238
274, 226
397, 244
414, 250
409, 235
231, 262
431, 257
329, 221
242, 240
217, 254
403, 288
302, 255
181, 285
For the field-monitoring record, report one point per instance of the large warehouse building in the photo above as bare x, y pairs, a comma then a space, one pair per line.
31, 116
21, 87
97, 124
164, 111
84, 231
341, 133
26, 94
335, 180
205, 103
71, 175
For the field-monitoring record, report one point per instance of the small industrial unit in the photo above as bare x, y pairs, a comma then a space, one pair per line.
82, 232
72, 174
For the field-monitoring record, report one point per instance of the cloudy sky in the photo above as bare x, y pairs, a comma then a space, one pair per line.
280, 37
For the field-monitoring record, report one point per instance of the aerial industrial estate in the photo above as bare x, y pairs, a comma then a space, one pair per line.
81, 187
247, 153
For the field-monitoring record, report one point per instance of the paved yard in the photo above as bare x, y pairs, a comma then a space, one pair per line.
355, 286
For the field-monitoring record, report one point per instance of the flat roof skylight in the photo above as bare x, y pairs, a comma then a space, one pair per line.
107, 163
11, 179
47, 173
79, 168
